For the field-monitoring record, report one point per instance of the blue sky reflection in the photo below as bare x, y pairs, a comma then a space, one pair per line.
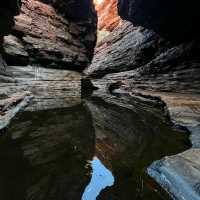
101, 178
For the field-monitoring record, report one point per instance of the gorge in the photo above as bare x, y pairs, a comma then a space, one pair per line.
99, 100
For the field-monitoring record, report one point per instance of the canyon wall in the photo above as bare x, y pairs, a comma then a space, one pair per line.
108, 17
8, 10
52, 33
157, 50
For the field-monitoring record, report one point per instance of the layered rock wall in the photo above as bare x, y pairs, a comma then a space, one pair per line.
155, 51
53, 33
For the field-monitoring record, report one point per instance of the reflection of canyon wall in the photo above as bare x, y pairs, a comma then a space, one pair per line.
53, 33
49, 151
129, 134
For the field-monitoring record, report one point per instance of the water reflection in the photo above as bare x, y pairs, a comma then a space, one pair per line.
101, 178
44, 154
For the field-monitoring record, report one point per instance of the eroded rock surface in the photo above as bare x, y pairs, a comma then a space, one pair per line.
179, 174
53, 33
142, 59
51, 88
108, 17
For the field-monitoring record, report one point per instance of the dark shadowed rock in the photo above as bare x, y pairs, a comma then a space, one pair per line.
8, 10
108, 17
49, 150
174, 19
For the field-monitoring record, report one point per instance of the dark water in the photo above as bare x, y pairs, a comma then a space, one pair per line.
97, 150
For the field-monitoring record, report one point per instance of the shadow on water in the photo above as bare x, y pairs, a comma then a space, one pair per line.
97, 150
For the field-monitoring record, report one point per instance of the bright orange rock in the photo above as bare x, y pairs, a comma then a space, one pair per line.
108, 17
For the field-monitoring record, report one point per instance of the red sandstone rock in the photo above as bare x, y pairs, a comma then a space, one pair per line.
108, 17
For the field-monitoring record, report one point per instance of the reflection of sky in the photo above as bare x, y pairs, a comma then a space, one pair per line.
101, 178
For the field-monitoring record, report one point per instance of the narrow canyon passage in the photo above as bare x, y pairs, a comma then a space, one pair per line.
99, 100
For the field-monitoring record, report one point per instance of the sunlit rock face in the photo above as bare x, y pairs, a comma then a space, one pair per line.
108, 17
53, 33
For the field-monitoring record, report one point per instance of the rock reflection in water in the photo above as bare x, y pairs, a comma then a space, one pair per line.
130, 135
44, 154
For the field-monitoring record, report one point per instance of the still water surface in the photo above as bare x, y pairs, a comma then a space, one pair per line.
95, 150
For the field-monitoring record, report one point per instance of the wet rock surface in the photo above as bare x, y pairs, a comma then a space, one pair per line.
34, 88
8, 10
158, 51
51, 149
51, 88
179, 174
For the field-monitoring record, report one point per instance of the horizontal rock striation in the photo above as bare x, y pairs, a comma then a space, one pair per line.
54, 34
140, 58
